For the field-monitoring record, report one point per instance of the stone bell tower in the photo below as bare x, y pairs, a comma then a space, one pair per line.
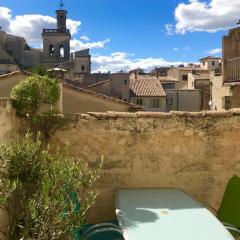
56, 42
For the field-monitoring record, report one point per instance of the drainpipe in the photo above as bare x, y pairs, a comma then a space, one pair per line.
177, 100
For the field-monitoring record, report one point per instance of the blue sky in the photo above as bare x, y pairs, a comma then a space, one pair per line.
136, 28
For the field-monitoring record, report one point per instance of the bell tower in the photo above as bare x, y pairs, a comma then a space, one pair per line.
56, 42
61, 17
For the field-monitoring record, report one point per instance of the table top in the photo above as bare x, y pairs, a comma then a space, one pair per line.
166, 214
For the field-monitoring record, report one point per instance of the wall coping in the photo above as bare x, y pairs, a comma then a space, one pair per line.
114, 115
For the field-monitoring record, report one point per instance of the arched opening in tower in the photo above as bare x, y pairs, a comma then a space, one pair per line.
61, 51
51, 50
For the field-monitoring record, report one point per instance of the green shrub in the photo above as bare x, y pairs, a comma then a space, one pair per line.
42, 183
33, 92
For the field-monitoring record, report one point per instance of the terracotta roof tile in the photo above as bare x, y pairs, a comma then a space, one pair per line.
146, 87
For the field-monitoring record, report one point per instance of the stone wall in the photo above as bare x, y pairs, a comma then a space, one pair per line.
197, 152
9, 125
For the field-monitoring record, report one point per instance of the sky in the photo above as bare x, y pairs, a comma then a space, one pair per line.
128, 34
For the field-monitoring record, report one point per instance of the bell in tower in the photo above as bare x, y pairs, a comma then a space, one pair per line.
56, 42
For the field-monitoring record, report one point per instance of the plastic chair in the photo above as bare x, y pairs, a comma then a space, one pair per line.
102, 231
229, 211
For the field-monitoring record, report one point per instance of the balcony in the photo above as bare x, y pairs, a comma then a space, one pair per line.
232, 72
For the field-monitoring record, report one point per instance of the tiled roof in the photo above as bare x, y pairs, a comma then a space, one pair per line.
146, 87
209, 57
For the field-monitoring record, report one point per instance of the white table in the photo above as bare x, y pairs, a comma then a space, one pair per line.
166, 214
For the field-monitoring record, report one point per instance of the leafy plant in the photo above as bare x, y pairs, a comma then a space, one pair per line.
46, 123
39, 70
54, 191
33, 92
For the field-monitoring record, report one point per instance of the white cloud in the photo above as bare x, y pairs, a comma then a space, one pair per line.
85, 38
30, 26
215, 51
169, 28
211, 16
123, 61
78, 44
5, 17
175, 49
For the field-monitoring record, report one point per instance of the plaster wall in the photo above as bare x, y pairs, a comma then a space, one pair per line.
74, 101
196, 152
218, 91
120, 84
148, 103
184, 100
104, 88
7, 82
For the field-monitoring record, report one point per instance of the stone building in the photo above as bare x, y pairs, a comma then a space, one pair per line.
210, 63
15, 53
56, 42
201, 82
149, 93
189, 100
73, 99
225, 86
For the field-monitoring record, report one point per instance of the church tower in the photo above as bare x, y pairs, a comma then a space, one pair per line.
56, 42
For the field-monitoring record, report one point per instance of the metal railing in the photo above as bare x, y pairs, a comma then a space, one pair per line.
233, 70
56, 31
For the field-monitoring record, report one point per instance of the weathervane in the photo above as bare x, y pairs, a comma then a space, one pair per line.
61, 4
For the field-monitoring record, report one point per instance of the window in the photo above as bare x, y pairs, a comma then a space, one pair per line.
169, 101
125, 82
204, 63
213, 63
83, 68
184, 77
155, 103
51, 50
140, 102
61, 51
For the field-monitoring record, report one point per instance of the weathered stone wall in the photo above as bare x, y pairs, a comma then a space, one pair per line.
197, 152
9, 126
9, 123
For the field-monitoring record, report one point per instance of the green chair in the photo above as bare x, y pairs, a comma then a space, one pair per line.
102, 231
229, 211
